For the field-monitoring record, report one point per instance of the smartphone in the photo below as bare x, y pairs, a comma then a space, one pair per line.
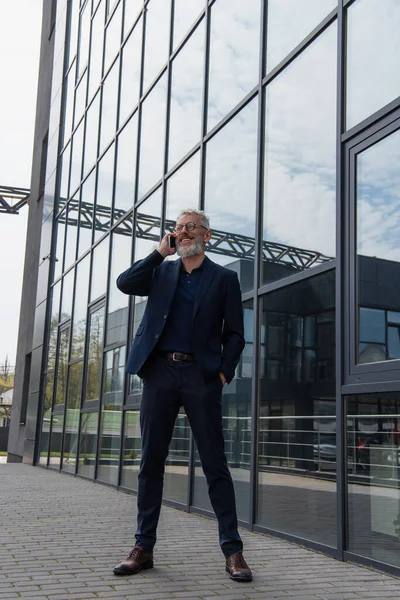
172, 241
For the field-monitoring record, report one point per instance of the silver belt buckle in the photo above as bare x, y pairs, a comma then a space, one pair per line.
173, 357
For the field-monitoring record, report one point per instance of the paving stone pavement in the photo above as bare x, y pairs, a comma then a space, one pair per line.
60, 536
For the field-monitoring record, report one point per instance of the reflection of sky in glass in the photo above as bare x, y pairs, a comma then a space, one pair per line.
185, 14
373, 57
183, 188
289, 22
378, 199
231, 169
126, 167
186, 96
300, 150
132, 8
153, 136
158, 14
100, 269
151, 207
234, 54
130, 73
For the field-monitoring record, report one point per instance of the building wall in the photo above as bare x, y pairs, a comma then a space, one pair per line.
282, 122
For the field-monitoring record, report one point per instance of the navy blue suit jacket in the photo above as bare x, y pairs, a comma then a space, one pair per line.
218, 337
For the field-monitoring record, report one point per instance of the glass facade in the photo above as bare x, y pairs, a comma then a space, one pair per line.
281, 119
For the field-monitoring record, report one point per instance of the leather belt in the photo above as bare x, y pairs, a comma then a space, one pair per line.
179, 356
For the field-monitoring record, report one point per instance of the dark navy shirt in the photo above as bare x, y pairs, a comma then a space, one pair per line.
177, 335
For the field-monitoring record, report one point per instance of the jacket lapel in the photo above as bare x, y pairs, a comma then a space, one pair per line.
205, 281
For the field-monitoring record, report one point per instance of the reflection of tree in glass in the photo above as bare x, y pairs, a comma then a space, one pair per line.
62, 366
95, 355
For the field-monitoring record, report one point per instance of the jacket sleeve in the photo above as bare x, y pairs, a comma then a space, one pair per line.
137, 280
233, 340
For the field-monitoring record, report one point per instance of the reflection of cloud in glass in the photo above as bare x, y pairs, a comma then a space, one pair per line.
234, 54
289, 22
132, 8
113, 37
158, 14
187, 96
185, 13
183, 188
130, 73
109, 106
153, 136
126, 167
378, 199
373, 51
231, 176
300, 151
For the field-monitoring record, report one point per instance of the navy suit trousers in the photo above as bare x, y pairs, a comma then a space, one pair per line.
167, 386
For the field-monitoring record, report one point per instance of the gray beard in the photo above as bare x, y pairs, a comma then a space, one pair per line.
194, 250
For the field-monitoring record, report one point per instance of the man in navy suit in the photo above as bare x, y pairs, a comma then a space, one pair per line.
186, 349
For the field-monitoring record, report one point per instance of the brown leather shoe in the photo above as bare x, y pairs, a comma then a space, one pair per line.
138, 560
237, 568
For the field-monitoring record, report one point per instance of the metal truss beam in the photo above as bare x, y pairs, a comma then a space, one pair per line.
226, 243
13, 193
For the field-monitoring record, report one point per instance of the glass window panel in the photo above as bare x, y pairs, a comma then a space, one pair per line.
105, 179
72, 417
130, 72
297, 424
113, 36
373, 458
125, 177
183, 191
186, 97
92, 134
152, 137
69, 108
289, 22
394, 342
393, 317
76, 159
373, 57
378, 254
46, 418
132, 8
55, 312
132, 451
96, 51
88, 444
95, 354
147, 239
59, 258
65, 162
236, 423
109, 106
72, 232
66, 303
84, 33
55, 440
63, 348
230, 194
300, 162
158, 14
185, 14
111, 419
234, 55
100, 269
118, 303
74, 23
86, 211
372, 325
80, 309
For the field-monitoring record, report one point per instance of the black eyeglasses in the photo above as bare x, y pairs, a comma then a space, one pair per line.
189, 227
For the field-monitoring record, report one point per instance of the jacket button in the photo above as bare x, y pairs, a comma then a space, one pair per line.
156, 336
165, 316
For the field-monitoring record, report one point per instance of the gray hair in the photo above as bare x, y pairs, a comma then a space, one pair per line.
205, 219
